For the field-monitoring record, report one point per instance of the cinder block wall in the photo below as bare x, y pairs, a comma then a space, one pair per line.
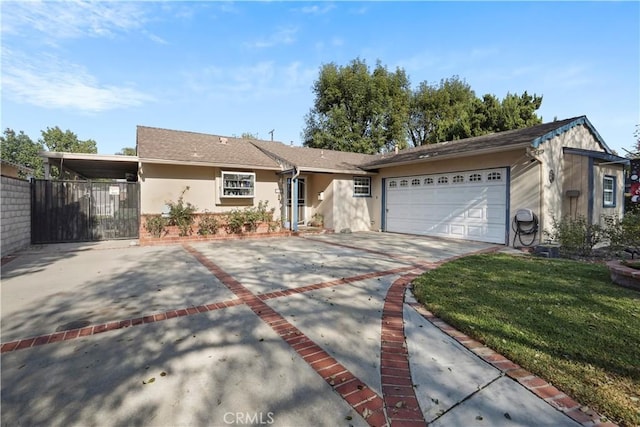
15, 207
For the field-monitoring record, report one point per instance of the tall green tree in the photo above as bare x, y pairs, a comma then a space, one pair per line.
358, 110
127, 151
58, 141
20, 149
451, 111
442, 112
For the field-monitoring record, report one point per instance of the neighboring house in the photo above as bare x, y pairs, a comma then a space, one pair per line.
468, 189
14, 170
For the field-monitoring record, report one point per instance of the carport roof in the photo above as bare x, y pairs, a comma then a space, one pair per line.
94, 166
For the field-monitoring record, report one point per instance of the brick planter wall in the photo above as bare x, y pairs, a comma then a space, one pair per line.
15, 216
623, 275
172, 233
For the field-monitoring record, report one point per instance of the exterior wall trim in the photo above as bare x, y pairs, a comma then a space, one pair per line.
596, 155
562, 129
507, 206
591, 184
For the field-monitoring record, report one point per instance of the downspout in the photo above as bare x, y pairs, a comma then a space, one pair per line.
294, 199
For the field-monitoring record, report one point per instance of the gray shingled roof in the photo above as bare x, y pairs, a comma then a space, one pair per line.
490, 142
191, 147
315, 159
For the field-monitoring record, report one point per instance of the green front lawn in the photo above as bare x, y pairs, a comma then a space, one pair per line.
562, 320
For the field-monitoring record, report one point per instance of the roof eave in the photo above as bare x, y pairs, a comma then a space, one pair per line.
87, 156
562, 129
336, 171
208, 164
428, 158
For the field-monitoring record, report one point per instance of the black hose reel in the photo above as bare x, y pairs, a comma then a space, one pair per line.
525, 223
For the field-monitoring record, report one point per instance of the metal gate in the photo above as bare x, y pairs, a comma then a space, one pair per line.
80, 211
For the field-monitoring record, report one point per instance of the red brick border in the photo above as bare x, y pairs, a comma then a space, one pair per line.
538, 386
187, 311
354, 391
399, 395
110, 326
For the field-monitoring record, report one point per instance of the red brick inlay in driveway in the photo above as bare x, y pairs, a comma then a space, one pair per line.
361, 397
400, 399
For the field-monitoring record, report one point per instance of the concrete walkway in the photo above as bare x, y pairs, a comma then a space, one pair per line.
286, 331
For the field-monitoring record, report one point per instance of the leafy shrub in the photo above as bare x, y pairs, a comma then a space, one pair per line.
575, 235
248, 219
622, 232
181, 214
209, 224
235, 221
155, 224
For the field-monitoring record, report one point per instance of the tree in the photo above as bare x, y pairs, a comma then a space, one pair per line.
21, 150
441, 113
357, 110
127, 151
58, 141
451, 111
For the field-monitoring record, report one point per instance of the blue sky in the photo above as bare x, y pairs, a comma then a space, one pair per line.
101, 68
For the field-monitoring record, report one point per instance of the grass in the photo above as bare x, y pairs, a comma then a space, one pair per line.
562, 320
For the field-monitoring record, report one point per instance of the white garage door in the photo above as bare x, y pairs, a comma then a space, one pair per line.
468, 205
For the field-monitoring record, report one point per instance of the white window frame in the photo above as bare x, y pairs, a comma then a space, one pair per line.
361, 186
228, 190
609, 194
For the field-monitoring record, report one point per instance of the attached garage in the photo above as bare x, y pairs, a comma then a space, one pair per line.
469, 205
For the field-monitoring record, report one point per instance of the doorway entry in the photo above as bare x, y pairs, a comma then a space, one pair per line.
301, 205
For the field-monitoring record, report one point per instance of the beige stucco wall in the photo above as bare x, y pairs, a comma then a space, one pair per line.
320, 183
160, 183
350, 212
338, 207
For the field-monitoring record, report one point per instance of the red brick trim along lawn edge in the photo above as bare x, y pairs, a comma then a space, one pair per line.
554, 397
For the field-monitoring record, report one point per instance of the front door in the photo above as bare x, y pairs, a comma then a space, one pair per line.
301, 205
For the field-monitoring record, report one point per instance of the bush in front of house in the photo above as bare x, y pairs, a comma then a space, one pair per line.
247, 219
208, 224
155, 225
181, 214
577, 237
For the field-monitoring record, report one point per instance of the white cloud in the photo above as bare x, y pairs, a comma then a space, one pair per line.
50, 82
258, 81
318, 10
75, 19
283, 35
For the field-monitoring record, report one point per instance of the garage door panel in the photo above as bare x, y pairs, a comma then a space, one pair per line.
467, 210
476, 213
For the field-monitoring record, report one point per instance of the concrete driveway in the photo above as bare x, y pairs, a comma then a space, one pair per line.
310, 330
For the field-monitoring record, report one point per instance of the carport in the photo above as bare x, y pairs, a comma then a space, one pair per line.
97, 198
